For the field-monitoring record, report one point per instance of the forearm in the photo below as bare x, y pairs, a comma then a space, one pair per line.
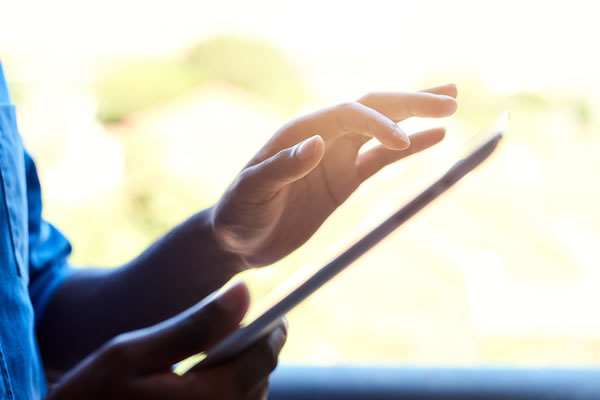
95, 305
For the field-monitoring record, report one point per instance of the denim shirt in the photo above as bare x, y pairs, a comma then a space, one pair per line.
33, 262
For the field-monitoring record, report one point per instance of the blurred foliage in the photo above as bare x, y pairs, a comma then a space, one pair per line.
251, 65
149, 202
423, 294
141, 85
479, 104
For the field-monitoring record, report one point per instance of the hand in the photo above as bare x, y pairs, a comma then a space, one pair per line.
137, 365
312, 164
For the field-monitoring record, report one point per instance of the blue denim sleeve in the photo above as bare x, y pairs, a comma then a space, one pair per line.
48, 248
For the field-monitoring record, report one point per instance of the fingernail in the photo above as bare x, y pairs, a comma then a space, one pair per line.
285, 324
448, 99
279, 335
307, 148
401, 135
233, 298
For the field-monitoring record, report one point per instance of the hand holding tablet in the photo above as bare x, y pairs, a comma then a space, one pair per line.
478, 148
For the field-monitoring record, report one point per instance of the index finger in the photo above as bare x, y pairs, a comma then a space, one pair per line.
399, 106
349, 118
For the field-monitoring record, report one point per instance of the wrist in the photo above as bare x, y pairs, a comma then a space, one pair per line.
216, 250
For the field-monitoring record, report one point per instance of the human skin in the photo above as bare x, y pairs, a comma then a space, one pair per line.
279, 199
137, 365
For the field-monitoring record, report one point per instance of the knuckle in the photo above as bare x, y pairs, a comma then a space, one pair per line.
345, 113
244, 178
287, 153
369, 97
349, 106
246, 182
410, 108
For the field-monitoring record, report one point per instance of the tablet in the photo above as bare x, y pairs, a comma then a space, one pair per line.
478, 148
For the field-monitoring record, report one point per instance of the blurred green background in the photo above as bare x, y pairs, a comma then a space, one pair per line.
141, 117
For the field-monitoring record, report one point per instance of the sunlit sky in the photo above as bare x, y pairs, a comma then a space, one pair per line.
511, 44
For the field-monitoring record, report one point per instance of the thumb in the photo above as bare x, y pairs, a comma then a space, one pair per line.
266, 178
191, 332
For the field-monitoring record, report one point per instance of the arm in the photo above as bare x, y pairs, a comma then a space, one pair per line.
94, 305
282, 196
